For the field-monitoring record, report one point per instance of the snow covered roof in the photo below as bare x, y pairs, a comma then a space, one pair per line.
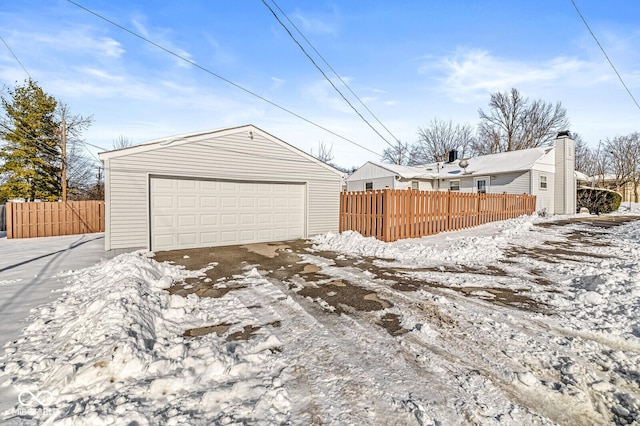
503, 162
406, 172
581, 176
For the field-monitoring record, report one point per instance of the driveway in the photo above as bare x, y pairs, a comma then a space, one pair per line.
299, 270
525, 338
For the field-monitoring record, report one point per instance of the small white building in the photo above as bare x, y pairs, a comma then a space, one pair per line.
547, 172
231, 186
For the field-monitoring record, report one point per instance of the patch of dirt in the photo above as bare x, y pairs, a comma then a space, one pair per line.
503, 297
225, 262
345, 297
219, 329
247, 333
391, 323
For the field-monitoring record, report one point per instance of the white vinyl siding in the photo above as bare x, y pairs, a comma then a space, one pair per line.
544, 197
511, 183
378, 183
228, 155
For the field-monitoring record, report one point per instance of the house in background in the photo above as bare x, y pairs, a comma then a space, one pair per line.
547, 172
230, 186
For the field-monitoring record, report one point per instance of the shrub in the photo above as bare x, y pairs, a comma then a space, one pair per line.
598, 200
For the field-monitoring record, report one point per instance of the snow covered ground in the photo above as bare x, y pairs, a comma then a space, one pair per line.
516, 322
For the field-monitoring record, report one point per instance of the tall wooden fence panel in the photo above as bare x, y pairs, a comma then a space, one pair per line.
27, 220
393, 214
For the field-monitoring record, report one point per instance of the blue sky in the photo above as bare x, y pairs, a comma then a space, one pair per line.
409, 61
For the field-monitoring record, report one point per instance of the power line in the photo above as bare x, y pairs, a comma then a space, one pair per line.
324, 75
200, 67
16, 58
605, 53
334, 71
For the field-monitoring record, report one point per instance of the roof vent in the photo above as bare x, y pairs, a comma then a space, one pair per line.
453, 156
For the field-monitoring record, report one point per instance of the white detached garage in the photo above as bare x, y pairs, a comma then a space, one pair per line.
232, 186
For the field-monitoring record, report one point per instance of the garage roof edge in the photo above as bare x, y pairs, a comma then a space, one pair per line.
193, 136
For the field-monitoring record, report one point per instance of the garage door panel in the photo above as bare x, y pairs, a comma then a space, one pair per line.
208, 220
229, 237
164, 221
247, 202
187, 184
189, 202
228, 202
207, 201
187, 239
228, 219
228, 186
209, 238
163, 201
187, 220
191, 213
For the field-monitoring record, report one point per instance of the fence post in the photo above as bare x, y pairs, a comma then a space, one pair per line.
386, 215
9, 217
342, 213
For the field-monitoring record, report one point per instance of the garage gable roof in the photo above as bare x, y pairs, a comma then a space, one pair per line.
186, 138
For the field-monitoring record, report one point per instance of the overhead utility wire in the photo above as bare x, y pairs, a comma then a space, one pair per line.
16, 58
48, 148
605, 53
325, 75
335, 72
200, 67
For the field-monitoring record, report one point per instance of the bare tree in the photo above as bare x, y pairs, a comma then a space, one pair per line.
122, 142
624, 152
438, 138
325, 153
514, 122
397, 154
583, 155
80, 164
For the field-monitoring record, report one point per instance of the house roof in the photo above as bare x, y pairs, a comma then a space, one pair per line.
503, 162
204, 135
406, 172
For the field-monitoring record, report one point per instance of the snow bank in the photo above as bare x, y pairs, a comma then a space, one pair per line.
448, 247
111, 350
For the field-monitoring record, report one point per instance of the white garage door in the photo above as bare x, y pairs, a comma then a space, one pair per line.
189, 213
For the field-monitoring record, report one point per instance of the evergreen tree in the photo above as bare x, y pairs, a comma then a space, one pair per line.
30, 159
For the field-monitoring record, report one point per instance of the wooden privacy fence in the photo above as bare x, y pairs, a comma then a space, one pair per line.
26, 220
393, 214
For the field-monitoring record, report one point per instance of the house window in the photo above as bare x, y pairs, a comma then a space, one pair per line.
415, 185
481, 184
454, 185
543, 182
368, 186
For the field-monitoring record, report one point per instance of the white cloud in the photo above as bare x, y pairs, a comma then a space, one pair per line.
469, 74
111, 47
315, 24
140, 27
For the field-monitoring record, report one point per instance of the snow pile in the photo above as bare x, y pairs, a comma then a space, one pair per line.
627, 208
111, 350
422, 252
